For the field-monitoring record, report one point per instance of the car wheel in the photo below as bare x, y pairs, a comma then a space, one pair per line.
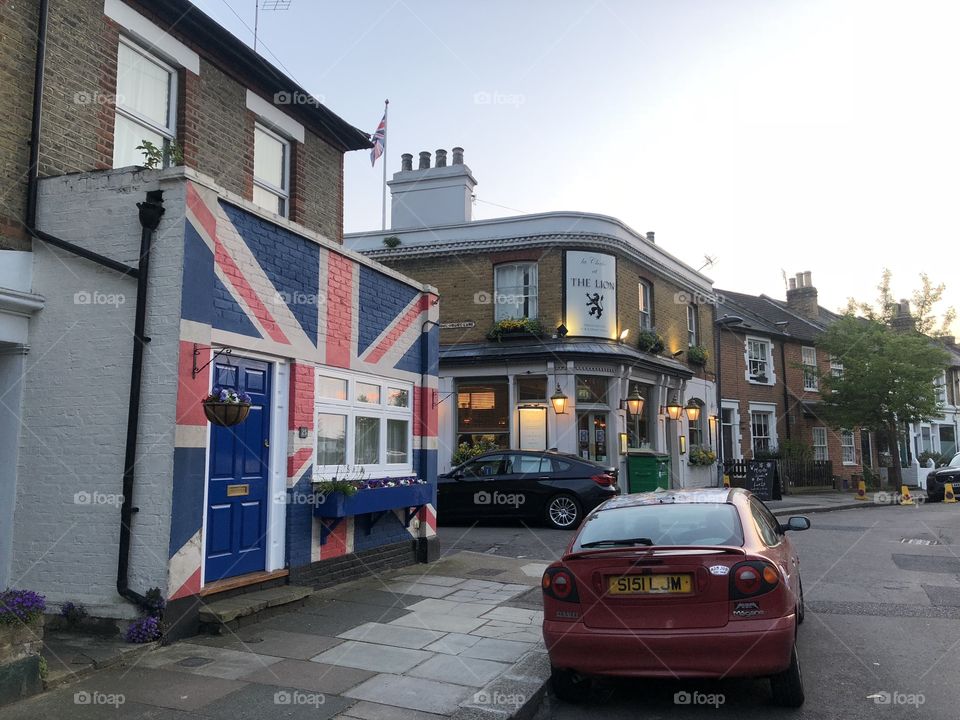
569, 686
801, 607
787, 687
563, 512
935, 498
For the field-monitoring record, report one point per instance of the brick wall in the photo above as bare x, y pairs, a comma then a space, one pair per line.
18, 31
466, 281
79, 379
213, 125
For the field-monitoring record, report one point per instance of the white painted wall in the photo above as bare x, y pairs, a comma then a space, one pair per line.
77, 389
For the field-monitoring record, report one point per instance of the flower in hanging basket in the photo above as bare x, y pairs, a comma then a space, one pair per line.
226, 407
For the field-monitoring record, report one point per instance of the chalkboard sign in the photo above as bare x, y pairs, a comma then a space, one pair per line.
762, 479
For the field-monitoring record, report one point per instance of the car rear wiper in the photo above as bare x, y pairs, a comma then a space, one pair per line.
623, 541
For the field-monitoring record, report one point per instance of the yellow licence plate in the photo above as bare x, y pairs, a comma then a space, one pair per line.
650, 584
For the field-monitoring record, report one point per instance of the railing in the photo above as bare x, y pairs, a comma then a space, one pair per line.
790, 473
805, 473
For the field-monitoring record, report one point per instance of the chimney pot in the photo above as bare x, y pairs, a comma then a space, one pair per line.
424, 161
799, 280
793, 283
802, 296
441, 156
807, 279
458, 156
650, 237
406, 162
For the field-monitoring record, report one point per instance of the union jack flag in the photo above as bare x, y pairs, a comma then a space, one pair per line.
379, 138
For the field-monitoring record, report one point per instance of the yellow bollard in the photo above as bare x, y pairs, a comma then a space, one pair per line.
905, 498
948, 496
726, 481
861, 490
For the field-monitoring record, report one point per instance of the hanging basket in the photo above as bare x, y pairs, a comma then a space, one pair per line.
226, 414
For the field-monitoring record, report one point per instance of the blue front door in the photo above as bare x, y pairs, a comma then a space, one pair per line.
236, 536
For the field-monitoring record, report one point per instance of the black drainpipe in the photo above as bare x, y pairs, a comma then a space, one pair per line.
150, 213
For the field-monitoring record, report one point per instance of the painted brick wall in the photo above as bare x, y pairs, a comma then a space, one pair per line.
76, 393
18, 30
321, 195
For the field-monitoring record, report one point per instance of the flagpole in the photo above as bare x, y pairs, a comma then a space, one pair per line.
383, 203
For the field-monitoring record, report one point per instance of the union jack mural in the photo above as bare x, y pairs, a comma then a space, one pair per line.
268, 290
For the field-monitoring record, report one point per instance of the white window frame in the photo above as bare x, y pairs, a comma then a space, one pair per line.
836, 367
735, 438
645, 292
811, 378
851, 447
282, 192
531, 291
820, 443
770, 410
940, 388
352, 409
693, 331
168, 131
769, 369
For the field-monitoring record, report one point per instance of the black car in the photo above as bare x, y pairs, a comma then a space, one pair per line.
938, 478
521, 484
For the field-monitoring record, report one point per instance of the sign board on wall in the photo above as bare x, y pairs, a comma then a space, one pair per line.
591, 290
533, 428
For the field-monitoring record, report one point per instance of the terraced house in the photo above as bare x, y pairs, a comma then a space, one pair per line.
138, 281
551, 322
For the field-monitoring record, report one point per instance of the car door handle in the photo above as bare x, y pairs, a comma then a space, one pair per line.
545, 477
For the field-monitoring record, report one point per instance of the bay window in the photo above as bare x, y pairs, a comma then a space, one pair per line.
362, 422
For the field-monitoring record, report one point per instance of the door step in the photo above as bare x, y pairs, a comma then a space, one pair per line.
227, 614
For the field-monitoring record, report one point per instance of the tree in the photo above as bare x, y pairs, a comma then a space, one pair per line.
887, 379
923, 302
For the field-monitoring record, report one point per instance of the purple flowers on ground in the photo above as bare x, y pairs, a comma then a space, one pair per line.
144, 630
73, 613
21, 606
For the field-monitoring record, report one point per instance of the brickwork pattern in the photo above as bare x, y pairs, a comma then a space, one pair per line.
354, 566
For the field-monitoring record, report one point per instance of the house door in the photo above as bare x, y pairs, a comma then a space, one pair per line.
239, 476
592, 436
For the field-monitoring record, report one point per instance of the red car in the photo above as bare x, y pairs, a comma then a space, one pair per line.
677, 584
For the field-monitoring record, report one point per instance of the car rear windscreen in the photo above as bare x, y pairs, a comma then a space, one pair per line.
666, 524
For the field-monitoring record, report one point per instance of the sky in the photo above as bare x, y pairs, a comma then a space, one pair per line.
774, 136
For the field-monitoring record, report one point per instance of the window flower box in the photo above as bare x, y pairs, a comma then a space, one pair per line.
515, 328
371, 500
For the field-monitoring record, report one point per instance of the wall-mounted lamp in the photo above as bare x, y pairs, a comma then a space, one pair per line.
559, 401
677, 354
693, 411
683, 444
562, 330
673, 410
634, 402
623, 334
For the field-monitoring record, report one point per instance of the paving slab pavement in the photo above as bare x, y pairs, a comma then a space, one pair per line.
459, 638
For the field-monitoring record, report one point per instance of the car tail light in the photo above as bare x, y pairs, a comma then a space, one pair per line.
604, 479
753, 577
558, 583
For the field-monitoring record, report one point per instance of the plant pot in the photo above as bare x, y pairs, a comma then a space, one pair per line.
226, 414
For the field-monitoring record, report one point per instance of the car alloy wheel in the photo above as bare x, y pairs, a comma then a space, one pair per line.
563, 512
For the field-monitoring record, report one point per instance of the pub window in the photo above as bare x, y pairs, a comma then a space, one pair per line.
531, 389
483, 412
515, 290
638, 426
592, 389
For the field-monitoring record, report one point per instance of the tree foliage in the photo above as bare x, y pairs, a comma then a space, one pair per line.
888, 376
923, 304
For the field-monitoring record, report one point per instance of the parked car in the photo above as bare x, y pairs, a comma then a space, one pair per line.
555, 487
936, 480
677, 584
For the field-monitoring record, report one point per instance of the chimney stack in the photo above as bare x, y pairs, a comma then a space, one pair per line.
902, 318
650, 237
802, 296
431, 196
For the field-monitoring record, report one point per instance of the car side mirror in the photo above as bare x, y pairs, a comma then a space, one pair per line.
797, 523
